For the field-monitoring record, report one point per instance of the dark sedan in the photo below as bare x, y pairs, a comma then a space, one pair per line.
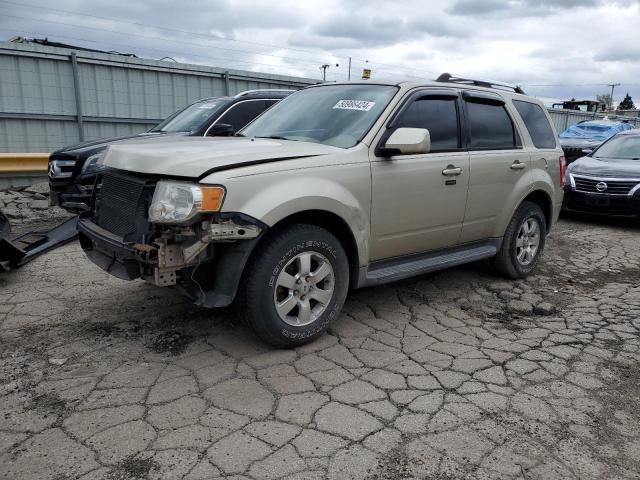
607, 181
72, 170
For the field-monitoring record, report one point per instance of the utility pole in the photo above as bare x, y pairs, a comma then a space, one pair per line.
349, 74
613, 86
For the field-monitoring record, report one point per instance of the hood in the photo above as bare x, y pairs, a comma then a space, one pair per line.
605, 167
94, 146
195, 157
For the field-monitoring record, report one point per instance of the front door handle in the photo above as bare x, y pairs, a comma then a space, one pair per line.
517, 165
452, 170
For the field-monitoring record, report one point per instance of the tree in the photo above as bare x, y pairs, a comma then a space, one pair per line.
604, 98
626, 103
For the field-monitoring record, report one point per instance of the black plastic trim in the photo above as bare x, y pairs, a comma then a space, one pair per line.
399, 268
223, 168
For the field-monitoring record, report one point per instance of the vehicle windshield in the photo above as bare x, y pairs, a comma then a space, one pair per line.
190, 118
591, 131
623, 147
336, 115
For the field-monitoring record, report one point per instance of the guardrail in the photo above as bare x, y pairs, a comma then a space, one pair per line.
24, 163
22, 169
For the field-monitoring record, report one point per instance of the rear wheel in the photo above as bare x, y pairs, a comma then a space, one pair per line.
294, 285
523, 242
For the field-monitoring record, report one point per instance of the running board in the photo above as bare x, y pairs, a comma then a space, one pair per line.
405, 267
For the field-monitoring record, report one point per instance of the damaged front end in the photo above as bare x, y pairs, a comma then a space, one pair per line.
204, 257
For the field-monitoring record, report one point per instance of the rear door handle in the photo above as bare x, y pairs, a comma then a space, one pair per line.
452, 170
517, 165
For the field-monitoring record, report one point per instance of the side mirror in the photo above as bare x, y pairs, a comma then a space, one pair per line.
221, 130
587, 151
408, 141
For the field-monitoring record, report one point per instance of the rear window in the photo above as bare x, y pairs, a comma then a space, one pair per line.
490, 127
537, 124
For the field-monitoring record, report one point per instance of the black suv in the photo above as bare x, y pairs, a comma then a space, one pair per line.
73, 169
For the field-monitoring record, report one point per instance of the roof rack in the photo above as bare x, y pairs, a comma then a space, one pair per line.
265, 91
447, 77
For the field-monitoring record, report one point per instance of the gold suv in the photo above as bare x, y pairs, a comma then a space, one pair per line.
338, 186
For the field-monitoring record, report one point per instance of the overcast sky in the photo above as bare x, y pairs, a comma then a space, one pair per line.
555, 49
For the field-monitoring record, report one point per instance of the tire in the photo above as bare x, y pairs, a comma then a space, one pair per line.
513, 259
280, 300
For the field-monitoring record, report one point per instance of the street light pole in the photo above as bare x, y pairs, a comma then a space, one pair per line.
613, 86
324, 71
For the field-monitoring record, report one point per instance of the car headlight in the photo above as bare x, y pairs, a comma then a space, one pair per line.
177, 202
93, 164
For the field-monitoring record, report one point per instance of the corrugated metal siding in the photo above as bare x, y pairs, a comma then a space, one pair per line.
38, 80
565, 118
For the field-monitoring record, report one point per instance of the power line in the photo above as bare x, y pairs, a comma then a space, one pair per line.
216, 38
66, 24
162, 51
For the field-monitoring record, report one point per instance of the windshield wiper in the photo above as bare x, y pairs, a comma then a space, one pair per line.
277, 137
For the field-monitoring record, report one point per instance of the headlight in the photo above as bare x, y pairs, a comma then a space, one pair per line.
93, 164
177, 202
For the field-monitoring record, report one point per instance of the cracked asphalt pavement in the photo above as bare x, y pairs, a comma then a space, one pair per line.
454, 375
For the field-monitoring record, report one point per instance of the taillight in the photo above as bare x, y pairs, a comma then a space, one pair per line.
563, 169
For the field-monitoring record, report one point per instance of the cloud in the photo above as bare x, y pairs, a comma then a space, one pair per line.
516, 8
619, 53
518, 41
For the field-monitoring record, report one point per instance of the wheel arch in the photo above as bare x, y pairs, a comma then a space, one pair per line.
331, 222
543, 200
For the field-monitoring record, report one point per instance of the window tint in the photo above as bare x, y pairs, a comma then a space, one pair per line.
490, 127
242, 113
439, 116
537, 124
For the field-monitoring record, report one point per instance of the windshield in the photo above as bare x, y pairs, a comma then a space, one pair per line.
591, 131
623, 147
190, 118
337, 115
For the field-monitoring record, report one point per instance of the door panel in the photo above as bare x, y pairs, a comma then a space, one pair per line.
492, 180
414, 210
496, 159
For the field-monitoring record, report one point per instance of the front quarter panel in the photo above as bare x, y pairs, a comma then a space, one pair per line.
339, 184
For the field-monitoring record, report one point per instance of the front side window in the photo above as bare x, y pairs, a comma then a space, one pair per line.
537, 124
336, 115
438, 115
490, 127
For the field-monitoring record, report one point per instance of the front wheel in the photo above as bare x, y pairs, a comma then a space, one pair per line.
294, 285
523, 242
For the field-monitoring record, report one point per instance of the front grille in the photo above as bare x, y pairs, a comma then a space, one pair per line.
613, 187
123, 204
62, 168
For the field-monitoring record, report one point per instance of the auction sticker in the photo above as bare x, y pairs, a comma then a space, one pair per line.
362, 105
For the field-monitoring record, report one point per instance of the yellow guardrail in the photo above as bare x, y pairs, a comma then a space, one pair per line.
23, 163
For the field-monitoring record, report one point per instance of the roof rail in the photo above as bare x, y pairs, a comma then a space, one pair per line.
447, 77
265, 91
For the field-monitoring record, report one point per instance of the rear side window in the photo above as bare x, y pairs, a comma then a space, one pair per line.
490, 127
439, 116
242, 113
537, 124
